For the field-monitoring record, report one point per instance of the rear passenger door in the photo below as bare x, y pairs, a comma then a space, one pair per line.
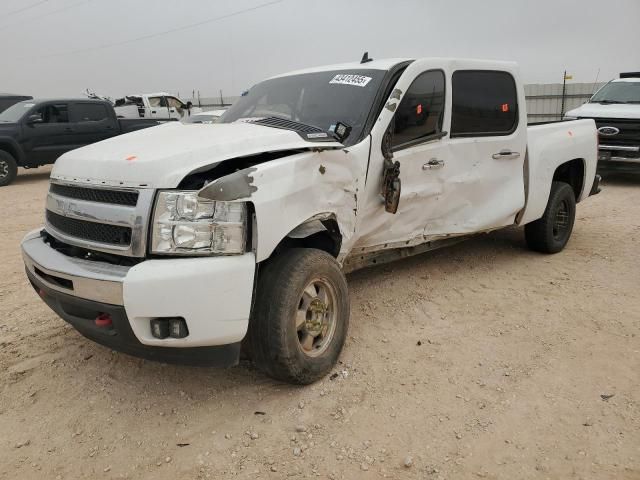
92, 122
483, 170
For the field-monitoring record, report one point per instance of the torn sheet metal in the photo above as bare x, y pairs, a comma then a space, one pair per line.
235, 186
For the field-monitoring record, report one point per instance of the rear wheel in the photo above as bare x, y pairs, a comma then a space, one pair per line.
300, 317
551, 233
8, 168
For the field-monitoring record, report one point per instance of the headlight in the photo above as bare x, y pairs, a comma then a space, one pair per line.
186, 224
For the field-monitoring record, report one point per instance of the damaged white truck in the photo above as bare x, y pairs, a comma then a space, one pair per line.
185, 242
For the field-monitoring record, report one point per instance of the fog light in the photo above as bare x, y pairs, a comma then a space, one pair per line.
178, 328
160, 328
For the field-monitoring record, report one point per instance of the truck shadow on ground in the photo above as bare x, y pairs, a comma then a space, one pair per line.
621, 179
27, 177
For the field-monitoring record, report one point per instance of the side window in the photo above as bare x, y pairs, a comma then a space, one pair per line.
57, 113
175, 103
157, 101
485, 103
421, 111
88, 112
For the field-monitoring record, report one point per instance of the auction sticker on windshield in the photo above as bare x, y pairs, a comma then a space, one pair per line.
351, 79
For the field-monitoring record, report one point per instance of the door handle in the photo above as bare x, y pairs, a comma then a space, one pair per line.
433, 164
505, 154
68, 129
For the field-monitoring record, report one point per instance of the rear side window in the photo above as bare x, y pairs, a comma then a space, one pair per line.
87, 112
485, 103
419, 115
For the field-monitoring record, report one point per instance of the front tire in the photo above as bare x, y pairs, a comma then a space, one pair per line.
300, 317
8, 168
551, 233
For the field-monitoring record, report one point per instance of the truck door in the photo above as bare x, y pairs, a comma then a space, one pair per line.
413, 118
417, 146
92, 122
51, 137
177, 109
158, 108
483, 172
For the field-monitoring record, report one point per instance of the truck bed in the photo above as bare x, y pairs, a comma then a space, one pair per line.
549, 145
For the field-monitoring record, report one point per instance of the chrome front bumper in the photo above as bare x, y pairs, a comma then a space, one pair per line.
97, 281
612, 153
213, 294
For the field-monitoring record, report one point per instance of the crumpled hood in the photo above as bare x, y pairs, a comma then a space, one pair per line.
160, 157
613, 110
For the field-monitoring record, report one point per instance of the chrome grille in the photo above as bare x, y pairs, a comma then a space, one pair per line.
117, 197
95, 232
106, 219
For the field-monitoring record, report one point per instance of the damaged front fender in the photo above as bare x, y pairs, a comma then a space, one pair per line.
287, 192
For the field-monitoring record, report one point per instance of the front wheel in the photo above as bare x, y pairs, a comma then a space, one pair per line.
551, 233
300, 317
8, 168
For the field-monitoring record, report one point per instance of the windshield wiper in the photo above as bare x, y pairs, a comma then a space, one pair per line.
607, 102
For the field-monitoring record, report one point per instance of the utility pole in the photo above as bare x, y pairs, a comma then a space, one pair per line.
565, 77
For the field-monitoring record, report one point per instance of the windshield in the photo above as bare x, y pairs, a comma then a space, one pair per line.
618, 92
319, 99
15, 112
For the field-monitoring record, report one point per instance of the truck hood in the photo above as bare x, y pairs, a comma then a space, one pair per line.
160, 157
613, 110
6, 128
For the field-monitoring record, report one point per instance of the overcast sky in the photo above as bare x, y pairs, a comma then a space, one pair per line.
117, 47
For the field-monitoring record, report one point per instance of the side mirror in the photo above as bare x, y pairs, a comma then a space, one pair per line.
35, 118
391, 184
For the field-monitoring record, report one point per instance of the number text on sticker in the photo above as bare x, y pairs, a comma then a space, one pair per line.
350, 79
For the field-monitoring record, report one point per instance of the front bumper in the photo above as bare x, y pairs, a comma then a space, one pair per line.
212, 294
618, 156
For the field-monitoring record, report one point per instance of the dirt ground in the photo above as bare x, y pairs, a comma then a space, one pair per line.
483, 360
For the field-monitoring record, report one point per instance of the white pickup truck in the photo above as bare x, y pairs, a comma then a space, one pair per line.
184, 242
616, 110
160, 106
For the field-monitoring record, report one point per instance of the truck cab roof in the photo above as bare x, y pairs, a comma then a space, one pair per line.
390, 63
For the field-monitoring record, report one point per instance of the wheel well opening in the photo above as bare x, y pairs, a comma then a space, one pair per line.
322, 234
571, 172
10, 149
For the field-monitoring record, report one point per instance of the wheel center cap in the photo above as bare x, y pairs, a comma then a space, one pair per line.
315, 316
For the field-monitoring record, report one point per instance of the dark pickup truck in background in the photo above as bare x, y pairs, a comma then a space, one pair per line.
36, 132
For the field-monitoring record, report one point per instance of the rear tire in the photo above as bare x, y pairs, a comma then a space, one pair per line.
301, 316
551, 233
8, 168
